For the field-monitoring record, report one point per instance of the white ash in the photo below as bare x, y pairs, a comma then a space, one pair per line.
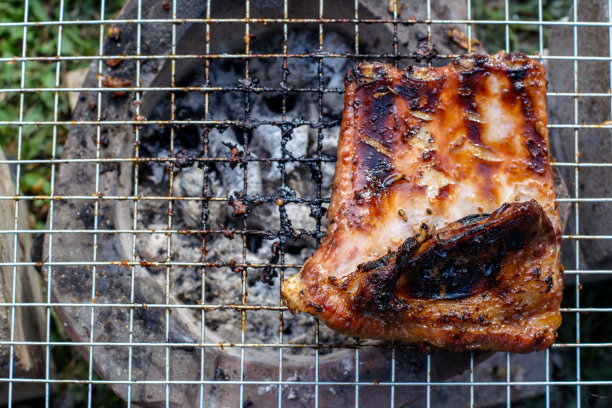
223, 286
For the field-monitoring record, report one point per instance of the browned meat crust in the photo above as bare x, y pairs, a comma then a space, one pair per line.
418, 150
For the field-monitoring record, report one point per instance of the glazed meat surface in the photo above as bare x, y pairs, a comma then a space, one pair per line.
444, 227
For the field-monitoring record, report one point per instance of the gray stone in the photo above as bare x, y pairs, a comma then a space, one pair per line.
594, 145
523, 368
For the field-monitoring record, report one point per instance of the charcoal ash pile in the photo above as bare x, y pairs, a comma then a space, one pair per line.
223, 285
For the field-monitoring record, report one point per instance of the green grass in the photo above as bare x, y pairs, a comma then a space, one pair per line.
521, 37
37, 142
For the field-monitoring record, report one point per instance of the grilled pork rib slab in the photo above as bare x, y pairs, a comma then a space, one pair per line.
411, 254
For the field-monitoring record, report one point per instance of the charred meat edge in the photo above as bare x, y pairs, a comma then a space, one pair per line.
455, 262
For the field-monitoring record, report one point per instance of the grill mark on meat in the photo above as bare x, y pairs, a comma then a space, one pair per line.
471, 83
474, 132
534, 135
381, 103
374, 168
422, 95
374, 164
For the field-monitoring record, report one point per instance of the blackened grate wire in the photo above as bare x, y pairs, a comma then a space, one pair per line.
581, 386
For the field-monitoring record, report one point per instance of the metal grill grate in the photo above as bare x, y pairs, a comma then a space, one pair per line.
581, 385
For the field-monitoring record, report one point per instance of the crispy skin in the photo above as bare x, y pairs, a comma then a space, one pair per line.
418, 150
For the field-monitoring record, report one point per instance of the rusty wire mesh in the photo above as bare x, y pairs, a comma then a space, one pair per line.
242, 202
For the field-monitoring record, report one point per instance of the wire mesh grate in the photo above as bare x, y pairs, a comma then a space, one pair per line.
106, 317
